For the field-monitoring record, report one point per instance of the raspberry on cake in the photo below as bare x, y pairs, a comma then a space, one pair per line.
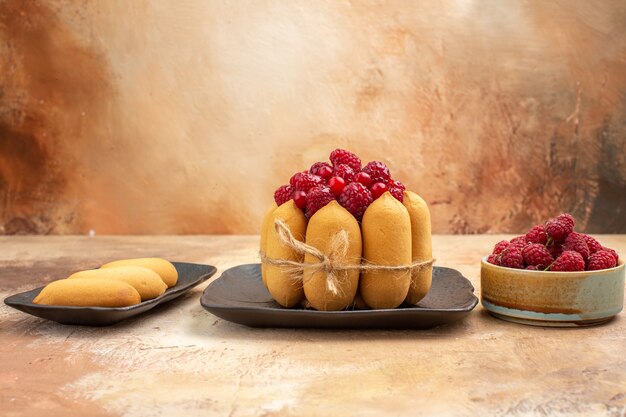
283, 194
341, 156
345, 172
396, 188
356, 199
317, 198
377, 171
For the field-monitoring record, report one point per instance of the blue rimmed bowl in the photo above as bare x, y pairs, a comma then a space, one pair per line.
557, 299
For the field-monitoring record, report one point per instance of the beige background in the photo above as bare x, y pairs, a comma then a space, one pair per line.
184, 116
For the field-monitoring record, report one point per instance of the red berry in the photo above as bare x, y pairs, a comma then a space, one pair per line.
345, 172
602, 259
294, 178
326, 172
355, 198
378, 171
555, 249
532, 268
336, 185
593, 244
537, 234
500, 246
493, 259
537, 255
612, 252
512, 258
519, 242
341, 156
283, 194
299, 197
575, 241
318, 167
317, 198
363, 178
568, 261
396, 188
306, 181
378, 189
559, 228
567, 219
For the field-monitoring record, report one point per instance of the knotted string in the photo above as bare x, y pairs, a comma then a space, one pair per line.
330, 263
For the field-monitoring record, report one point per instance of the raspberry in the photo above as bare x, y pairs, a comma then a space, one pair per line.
559, 228
493, 259
294, 178
317, 198
355, 198
532, 268
602, 259
512, 258
567, 219
341, 156
519, 242
378, 171
593, 244
345, 172
612, 252
537, 234
568, 261
396, 188
555, 250
536, 254
306, 181
500, 246
378, 189
322, 169
575, 241
283, 194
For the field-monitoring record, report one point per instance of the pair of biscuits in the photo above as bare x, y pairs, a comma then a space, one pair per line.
116, 284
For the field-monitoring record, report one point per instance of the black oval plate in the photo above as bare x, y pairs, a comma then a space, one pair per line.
189, 275
239, 295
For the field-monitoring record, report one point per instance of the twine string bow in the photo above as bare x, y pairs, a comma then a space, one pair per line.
330, 263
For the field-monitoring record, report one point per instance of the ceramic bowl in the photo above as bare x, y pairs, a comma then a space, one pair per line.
558, 299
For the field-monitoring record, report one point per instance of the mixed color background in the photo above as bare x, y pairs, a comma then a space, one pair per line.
184, 116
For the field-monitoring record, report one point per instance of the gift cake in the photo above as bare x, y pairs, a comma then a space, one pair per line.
342, 235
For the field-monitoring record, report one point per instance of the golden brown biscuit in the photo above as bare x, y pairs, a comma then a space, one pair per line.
323, 226
88, 292
386, 229
266, 220
147, 282
421, 246
164, 268
284, 287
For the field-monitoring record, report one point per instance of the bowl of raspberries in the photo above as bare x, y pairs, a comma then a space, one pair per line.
553, 276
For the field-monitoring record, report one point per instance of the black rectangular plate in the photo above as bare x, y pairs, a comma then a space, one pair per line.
239, 295
189, 275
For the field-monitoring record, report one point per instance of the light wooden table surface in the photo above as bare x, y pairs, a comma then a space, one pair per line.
181, 360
